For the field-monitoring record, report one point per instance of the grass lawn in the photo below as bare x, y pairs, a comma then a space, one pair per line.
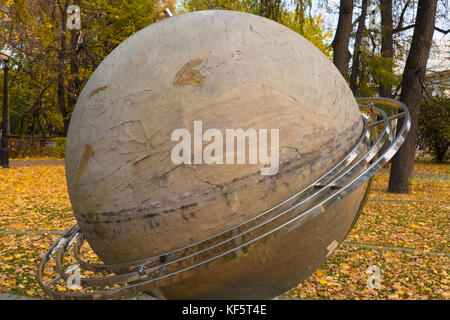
405, 236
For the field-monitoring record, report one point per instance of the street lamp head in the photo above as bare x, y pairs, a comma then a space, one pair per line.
5, 54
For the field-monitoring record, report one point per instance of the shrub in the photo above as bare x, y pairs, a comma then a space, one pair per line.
434, 127
25, 147
60, 147
29, 148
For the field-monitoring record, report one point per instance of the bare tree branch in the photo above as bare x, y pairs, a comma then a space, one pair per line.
413, 25
402, 15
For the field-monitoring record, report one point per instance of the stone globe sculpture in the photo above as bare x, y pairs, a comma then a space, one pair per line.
207, 141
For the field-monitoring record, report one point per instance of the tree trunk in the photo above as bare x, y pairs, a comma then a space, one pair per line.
299, 14
357, 50
270, 9
61, 65
74, 83
441, 151
387, 51
413, 78
341, 55
387, 47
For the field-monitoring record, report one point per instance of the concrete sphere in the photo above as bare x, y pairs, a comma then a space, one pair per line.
228, 70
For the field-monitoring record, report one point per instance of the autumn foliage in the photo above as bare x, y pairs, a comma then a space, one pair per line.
406, 236
434, 128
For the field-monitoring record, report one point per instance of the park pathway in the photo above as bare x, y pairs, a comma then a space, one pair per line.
7, 296
21, 163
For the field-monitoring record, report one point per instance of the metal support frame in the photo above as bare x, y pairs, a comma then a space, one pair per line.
358, 166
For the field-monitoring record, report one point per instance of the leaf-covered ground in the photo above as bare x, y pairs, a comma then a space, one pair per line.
46, 158
34, 198
424, 166
406, 236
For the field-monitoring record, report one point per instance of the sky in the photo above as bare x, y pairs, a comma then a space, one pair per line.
331, 18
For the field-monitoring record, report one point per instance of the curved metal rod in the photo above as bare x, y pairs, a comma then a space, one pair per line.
53, 249
313, 211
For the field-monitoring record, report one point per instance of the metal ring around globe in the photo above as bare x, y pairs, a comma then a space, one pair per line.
74, 233
64, 246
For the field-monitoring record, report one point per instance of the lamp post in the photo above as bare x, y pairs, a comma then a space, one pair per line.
5, 55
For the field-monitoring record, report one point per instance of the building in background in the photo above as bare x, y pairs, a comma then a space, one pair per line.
439, 59
438, 69
437, 78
